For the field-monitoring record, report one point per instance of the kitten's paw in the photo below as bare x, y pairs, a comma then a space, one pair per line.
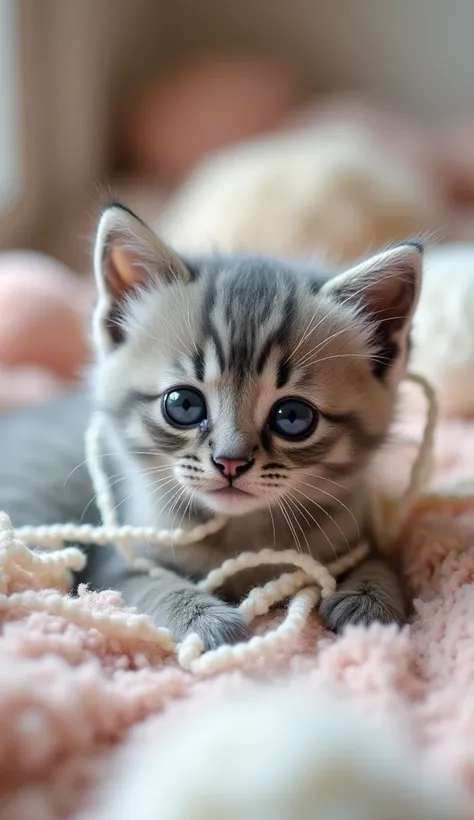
362, 604
220, 624
215, 622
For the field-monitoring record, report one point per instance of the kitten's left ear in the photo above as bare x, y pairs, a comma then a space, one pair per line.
384, 290
128, 257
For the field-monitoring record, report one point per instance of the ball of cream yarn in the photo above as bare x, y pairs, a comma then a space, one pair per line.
336, 193
443, 327
273, 754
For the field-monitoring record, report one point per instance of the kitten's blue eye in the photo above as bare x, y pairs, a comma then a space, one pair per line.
292, 418
184, 407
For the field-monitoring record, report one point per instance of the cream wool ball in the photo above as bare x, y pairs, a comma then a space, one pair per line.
337, 193
443, 327
279, 754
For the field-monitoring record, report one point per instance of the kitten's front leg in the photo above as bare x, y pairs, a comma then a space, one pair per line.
370, 592
174, 602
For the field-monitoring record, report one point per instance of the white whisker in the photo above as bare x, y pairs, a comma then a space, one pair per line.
112, 484
148, 453
323, 478
365, 356
188, 318
323, 509
187, 507
174, 509
340, 304
284, 512
177, 490
162, 341
149, 471
333, 498
272, 520
311, 353
289, 500
319, 526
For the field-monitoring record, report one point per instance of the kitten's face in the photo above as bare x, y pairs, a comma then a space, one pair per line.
250, 382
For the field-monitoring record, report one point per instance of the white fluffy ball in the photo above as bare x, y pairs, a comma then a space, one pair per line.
443, 330
337, 193
281, 755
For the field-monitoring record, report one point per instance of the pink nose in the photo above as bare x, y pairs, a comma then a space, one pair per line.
231, 467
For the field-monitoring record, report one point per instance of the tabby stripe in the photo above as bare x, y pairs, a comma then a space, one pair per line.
198, 364
133, 399
265, 354
167, 442
316, 451
289, 311
209, 330
344, 469
218, 346
284, 373
362, 439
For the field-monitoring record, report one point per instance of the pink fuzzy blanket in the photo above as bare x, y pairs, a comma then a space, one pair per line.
70, 698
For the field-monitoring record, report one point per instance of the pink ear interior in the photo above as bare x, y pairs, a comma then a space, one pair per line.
122, 271
391, 297
123, 274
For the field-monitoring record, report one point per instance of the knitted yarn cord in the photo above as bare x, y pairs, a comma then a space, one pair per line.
304, 587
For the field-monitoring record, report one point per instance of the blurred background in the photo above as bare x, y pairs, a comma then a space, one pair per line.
338, 126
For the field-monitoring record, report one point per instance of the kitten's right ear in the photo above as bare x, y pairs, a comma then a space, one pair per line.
128, 258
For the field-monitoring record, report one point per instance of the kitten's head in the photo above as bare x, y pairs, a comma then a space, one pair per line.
248, 379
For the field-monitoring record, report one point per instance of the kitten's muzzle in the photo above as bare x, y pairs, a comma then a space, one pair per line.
232, 468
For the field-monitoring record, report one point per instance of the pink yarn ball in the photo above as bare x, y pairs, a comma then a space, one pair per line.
22, 386
203, 106
42, 306
456, 162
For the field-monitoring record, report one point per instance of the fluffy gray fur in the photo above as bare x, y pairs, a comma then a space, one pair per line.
246, 333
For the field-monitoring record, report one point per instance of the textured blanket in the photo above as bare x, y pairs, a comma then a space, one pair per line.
97, 727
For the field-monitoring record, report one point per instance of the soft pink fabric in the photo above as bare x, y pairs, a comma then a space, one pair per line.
69, 698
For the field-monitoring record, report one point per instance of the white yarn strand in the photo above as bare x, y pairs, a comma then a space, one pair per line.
422, 466
246, 560
53, 535
117, 625
304, 587
102, 489
386, 531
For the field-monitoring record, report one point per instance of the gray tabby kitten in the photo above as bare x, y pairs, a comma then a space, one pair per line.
244, 386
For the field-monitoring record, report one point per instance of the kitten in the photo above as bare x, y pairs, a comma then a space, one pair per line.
254, 388
244, 386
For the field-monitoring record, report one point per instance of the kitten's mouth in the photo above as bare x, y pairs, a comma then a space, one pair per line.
229, 493
231, 501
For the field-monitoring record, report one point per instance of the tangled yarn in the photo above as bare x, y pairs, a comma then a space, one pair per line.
304, 587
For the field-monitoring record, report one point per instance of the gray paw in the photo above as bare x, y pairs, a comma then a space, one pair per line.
215, 622
359, 605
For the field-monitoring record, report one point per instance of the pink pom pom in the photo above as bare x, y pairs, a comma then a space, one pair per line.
203, 106
42, 305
